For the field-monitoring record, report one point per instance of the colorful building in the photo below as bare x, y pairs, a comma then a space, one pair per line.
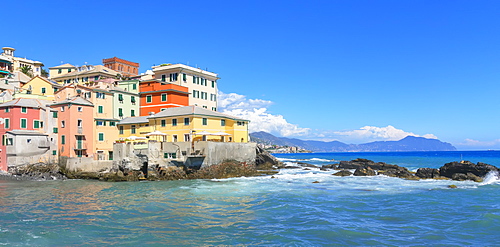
29, 133
17, 62
102, 131
76, 127
185, 124
202, 84
122, 66
61, 70
39, 86
84, 74
156, 96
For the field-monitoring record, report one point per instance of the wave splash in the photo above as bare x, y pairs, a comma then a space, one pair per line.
493, 177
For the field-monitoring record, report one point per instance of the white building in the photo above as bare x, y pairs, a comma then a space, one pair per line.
18, 62
202, 84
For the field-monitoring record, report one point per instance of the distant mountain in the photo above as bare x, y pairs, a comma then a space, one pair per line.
409, 143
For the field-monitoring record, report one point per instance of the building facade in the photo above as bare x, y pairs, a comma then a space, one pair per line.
83, 74
186, 124
11, 63
202, 84
122, 66
29, 133
156, 96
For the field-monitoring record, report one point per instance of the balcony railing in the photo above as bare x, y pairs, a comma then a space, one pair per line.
80, 146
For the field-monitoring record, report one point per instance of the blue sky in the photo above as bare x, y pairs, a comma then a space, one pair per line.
353, 71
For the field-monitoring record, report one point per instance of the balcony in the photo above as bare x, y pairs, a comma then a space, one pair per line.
80, 146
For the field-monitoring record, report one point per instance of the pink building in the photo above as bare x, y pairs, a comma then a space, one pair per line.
29, 132
76, 123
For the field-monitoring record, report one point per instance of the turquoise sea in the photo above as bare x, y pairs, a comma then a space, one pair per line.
288, 210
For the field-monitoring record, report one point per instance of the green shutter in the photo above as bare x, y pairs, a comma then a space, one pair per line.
101, 136
164, 97
132, 98
63, 139
36, 124
7, 123
55, 130
120, 97
54, 114
23, 123
120, 112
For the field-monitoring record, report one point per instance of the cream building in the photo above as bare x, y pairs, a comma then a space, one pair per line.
61, 70
202, 84
17, 62
81, 75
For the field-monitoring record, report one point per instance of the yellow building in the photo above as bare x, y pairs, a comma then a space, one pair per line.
39, 86
185, 124
61, 70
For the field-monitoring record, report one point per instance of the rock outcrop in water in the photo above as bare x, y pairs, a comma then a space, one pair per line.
459, 171
38, 171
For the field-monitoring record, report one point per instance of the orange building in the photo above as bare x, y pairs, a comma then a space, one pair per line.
156, 96
124, 67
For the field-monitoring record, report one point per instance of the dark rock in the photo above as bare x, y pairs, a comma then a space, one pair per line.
306, 169
303, 164
315, 182
452, 186
364, 172
265, 160
343, 173
471, 176
427, 173
464, 167
400, 172
459, 177
329, 166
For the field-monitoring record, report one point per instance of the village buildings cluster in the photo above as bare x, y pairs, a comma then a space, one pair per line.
82, 111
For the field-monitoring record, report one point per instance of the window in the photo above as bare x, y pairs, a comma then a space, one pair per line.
213, 83
69, 70
163, 97
174, 138
163, 77
132, 130
184, 77
7, 109
96, 77
59, 71
194, 79
204, 121
186, 121
186, 137
163, 123
120, 129
214, 108
149, 99
63, 124
222, 122
36, 124
132, 99
120, 112
54, 114
134, 86
63, 139
62, 108
110, 155
55, 130
100, 123
80, 109
174, 122
132, 113
54, 152
173, 76
100, 109
6, 123
112, 123
9, 141
24, 123
79, 123
24, 110
101, 137
43, 90
120, 98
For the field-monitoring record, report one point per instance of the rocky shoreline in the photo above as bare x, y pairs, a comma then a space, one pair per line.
265, 164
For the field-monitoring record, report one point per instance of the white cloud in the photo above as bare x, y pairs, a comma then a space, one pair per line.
260, 120
372, 133
475, 144
233, 101
256, 111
